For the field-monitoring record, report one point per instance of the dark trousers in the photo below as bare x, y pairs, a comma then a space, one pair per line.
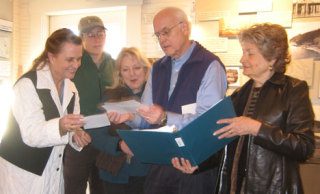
168, 180
134, 186
79, 168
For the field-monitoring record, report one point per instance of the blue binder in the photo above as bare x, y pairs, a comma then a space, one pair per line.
194, 142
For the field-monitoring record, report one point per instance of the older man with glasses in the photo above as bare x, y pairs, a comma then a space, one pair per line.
187, 76
94, 74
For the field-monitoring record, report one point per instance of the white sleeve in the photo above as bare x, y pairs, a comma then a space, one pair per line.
75, 111
28, 112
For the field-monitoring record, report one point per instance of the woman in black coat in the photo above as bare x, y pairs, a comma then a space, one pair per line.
274, 123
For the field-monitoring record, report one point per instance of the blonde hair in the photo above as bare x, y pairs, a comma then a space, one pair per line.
132, 52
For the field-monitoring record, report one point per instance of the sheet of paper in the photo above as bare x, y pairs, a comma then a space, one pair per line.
96, 121
166, 129
129, 106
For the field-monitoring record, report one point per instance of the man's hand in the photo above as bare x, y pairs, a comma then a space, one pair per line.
152, 114
183, 165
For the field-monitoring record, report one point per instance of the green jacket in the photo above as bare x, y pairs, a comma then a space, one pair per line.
91, 81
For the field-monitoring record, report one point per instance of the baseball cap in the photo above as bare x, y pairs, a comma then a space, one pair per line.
89, 22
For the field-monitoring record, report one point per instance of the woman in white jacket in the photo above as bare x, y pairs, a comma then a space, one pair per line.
44, 118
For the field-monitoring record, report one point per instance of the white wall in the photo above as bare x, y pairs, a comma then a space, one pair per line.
114, 19
38, 22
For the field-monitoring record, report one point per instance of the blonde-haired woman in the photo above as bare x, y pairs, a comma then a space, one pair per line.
123, 173
132, 69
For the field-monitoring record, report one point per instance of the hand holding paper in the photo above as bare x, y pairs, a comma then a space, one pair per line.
96, 121
118, 118
152, 114
129, 106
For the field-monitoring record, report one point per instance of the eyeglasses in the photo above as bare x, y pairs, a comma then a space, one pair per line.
165, 33
92, 35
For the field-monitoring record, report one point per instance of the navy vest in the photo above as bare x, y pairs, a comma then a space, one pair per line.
12, 147
188, 82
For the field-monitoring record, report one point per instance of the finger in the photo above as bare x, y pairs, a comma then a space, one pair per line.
144, 112
75, 126
82, 140
75, 121
141, 112
144, 108
155, 108
80, 143
116, 118
86, 137
77, 140
130, 152
222, 130
186, 164
223, 121
110, 115
227, 134
177, 164
74, 117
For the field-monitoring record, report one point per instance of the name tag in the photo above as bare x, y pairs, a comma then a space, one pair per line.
189, 108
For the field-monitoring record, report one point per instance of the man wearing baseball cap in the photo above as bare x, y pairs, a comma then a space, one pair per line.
94, 74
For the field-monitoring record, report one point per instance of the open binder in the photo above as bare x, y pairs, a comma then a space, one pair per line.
194, 142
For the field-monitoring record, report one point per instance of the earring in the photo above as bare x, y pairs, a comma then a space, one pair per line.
270, 67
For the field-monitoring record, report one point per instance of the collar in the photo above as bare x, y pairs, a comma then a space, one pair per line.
177, 63
277, 79
44, 78
45, 81
105, 56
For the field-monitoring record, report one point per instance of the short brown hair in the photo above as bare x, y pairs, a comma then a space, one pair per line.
272, 42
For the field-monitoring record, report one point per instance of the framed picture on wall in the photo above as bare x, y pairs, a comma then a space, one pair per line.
304, 49
233, 76
305, 8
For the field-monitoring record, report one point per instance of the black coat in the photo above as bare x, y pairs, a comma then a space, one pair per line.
284, 139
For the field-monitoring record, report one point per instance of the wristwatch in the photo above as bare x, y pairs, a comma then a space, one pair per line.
164, 119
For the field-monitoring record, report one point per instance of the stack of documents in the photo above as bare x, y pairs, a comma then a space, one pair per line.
194, 142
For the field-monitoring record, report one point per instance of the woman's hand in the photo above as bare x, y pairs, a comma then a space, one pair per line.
118, 118
124, 148
81, 138
70, 122
238, 126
